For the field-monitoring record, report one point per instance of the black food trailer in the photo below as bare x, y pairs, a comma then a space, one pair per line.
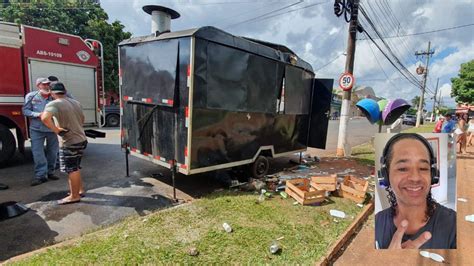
202, 99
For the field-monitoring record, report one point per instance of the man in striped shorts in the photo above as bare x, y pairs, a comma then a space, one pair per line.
70, 118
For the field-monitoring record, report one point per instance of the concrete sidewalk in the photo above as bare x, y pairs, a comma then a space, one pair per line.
361, 251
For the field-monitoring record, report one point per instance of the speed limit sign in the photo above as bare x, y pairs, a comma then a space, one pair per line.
346, 81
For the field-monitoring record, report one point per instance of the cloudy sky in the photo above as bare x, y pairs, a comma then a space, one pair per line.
311, 30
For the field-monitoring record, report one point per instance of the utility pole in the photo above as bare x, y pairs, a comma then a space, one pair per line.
434, 102
428, 54
343, 148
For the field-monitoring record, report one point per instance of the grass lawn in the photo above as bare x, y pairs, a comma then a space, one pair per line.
427, 127
166, 236
364, 153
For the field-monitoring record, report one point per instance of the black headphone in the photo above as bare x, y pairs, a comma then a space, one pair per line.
383, 172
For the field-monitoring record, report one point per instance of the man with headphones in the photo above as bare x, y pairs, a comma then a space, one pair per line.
414, 219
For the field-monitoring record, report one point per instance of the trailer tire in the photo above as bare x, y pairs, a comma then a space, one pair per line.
113, 120
260, 167
7, 145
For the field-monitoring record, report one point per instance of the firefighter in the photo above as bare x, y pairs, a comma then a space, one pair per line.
44, 161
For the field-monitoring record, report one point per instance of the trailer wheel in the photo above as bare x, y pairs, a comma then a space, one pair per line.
7, 144
260, 167
113, 120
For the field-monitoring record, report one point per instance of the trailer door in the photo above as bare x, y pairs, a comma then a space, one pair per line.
320, 112
79, 81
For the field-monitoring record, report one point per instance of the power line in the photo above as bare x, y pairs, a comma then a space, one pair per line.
389, 54
425, 32
330, 62
266, 14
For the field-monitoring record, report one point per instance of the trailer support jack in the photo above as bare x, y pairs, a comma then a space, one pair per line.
173, 175
127, 152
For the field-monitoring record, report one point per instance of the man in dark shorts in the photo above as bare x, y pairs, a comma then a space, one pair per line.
69, 118
414, 219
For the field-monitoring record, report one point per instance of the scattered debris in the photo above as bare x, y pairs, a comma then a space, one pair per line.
296, 203
145, 220
338, 214
274, 248
283, 194
227, 227
324, 223
462, 199
280, 238
360, 205
261, 198
193, 251
433, 256
470, 218
327, 183
335, 220
354, 188
301, 190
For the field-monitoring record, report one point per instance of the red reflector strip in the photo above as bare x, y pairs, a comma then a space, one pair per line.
128, 98
147, 100
146, 154
184, 166
134, 149
186, 111
167, 101
185, 151
157, 157
120, 72
189, 70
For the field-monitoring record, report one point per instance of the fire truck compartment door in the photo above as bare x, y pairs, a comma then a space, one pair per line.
79, 81
320, 112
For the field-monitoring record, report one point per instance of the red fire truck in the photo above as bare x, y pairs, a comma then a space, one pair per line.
27, 53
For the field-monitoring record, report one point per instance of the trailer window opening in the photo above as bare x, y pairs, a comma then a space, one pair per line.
241, 81
297, 90
150, 70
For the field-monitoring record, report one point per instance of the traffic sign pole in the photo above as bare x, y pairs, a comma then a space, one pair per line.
343, 149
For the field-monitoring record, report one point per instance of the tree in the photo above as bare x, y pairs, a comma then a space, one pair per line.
416, 101
463, 85
79, 17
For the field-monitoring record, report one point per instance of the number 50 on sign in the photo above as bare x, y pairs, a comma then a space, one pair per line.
346, 81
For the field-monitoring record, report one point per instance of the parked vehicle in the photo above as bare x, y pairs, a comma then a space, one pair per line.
112, 115
27, 53
203, 99
410, 120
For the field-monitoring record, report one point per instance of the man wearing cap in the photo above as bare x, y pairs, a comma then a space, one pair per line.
35, 102
69, 118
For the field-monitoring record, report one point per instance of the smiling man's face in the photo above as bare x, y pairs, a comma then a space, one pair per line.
409, 172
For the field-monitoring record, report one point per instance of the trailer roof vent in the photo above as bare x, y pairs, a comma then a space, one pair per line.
160, 18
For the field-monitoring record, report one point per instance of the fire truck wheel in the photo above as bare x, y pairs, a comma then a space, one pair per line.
260, 167
7, 144
113, 120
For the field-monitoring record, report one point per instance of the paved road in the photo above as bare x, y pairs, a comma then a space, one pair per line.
359, 129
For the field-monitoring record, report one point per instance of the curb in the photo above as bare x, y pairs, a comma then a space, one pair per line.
344, 240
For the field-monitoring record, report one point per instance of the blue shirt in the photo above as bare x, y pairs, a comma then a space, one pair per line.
34, 105
449, 126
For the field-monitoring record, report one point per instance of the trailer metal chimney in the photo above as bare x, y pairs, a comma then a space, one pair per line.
160, 18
